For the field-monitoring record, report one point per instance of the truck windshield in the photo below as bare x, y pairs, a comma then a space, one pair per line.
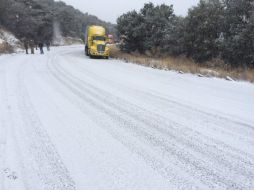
99, 38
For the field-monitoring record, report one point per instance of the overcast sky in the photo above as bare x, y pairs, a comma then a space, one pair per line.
109, 10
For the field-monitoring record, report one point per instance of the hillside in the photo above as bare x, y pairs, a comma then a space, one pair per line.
8, 42
38, 19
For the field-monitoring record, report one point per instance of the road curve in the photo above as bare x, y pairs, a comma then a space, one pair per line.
68, 122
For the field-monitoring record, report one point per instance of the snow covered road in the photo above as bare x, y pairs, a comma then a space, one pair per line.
68, 122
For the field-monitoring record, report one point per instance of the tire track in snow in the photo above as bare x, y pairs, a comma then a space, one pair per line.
13, 166
167, 170
161, 120
214, 175
218, 124
236, 128
41, 155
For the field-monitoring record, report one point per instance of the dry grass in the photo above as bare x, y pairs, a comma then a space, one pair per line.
6, 48
214, 68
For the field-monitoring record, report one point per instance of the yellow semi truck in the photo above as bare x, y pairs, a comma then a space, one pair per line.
96, 42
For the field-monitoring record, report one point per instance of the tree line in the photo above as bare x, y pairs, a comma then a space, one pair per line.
214, 29
34, 19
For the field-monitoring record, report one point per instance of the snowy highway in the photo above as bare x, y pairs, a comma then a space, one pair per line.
68, 122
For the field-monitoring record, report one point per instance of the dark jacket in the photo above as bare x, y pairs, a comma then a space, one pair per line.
26, 44
31, 44
40, 45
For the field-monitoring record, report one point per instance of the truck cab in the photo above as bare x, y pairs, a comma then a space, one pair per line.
96, 42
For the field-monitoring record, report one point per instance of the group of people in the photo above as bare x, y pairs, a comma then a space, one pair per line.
33, 45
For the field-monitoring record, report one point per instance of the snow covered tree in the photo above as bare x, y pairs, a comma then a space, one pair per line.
173, 37
3, 4
203, 30
131, 28
144, 30
156, 19
214, 29
238, 44
34, 19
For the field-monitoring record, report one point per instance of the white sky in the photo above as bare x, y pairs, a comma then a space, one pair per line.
110, 10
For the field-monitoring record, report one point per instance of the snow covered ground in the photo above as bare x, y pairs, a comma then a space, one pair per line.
69, 122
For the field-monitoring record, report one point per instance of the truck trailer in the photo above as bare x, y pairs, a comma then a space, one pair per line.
96, 42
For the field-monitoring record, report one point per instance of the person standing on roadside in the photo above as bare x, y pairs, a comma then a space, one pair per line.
48, 45
36, 44
32, 44
40, 44
26, 45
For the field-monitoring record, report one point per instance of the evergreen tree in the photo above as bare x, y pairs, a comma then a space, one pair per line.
131, 28
173, 37
144, 30
203, 30
34, 19
156, 20
238, 31
220, 29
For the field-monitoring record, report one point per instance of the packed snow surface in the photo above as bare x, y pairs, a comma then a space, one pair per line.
68, 122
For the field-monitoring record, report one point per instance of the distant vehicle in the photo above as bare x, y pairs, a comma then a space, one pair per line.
96, 41
111, 39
